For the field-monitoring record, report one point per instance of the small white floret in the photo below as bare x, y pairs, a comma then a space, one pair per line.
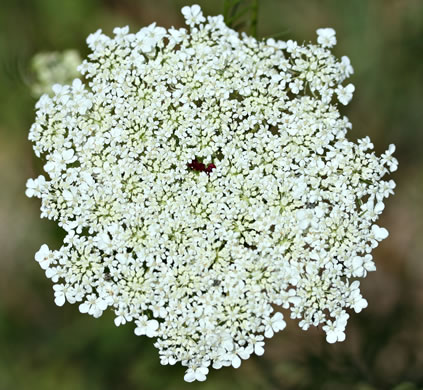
326, 37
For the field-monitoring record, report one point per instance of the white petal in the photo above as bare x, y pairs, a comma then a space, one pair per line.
200, 376
245, 353
60, 300
42, 252
350, 88
49, 166
236, 362
67, 195
57, 88
341, 336
153, 325
51, 273
84, 307
76, 84
268, 332
186, 11
101, 304
189, 376
279, 325
68, 154
259, 350
379, 207
380, 233
331, 337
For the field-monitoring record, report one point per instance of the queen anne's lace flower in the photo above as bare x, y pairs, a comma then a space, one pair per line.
204, 180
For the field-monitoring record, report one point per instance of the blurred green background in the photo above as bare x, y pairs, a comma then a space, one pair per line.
45, 347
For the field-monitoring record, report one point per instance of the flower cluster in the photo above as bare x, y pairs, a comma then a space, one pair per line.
205, 183
51, 68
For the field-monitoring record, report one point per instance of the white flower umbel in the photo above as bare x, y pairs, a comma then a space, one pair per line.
203, 179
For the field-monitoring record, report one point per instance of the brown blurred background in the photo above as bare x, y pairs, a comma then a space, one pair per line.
45, 347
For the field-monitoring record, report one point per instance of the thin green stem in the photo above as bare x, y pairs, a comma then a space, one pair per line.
254, 18
235, 6
229, 9
226, 7
239, 15
231, 13
279, 34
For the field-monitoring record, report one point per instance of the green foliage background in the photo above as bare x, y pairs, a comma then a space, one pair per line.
44, 347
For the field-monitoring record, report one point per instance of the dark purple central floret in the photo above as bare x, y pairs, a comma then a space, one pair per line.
200, 167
